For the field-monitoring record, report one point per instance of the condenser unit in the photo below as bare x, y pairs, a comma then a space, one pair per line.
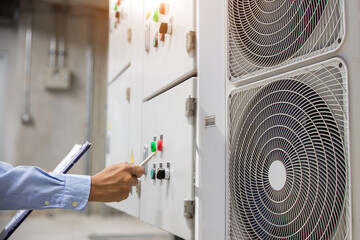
288, 158
290, 149
264, 36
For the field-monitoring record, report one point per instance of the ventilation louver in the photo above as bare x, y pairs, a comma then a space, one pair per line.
298, 120
264, 35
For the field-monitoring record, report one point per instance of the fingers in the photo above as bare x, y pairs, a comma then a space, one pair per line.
134, 181
136, 170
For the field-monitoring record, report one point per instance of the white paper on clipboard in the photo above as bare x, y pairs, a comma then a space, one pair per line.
62, 165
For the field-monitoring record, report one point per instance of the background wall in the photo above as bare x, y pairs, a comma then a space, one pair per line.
8, 36
59, 117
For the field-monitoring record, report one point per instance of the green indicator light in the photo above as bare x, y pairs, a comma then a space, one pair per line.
155, 42
156, 16
152, 174
153, 146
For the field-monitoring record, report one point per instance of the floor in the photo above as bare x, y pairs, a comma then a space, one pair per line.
69, 225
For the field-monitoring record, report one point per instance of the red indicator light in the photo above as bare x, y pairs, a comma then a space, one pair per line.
160, 145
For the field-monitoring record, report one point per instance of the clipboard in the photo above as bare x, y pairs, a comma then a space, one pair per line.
63, 167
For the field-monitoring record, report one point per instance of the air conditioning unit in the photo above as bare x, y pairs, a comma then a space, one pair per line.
288, 159
288, 81
265, 36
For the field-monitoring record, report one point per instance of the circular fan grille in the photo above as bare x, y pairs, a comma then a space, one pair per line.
264, 33
286, 121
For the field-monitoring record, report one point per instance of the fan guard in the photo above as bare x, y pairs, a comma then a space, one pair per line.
264, 35
301, 120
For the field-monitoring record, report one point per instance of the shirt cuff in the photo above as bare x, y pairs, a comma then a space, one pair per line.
77, 190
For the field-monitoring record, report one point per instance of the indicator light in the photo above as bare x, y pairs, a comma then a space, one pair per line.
164, 8
153, 172
153, 146
132, 157
156, 16
160, 145
155, 41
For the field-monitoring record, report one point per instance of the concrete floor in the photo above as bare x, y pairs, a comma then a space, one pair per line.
70, 225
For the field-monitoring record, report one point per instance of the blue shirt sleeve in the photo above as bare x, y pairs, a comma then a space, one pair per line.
29, 188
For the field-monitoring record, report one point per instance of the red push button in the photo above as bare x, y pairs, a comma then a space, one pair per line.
160, 145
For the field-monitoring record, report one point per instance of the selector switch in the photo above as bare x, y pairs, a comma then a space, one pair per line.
153, 172
167, 171
160, 172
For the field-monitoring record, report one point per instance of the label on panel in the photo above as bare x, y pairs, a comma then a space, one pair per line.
169, 48
119, 37
123, 132
167, 189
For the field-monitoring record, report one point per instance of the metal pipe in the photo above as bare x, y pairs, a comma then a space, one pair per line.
26, 116
89, 93
62, 28
52, 51
89, 98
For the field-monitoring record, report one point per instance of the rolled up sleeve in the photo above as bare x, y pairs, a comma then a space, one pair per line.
29, 188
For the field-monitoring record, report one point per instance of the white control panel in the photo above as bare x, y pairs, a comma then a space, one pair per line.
167, 189
169, 47
119, 37
123, 133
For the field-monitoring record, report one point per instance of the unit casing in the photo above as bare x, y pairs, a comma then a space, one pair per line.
214, 81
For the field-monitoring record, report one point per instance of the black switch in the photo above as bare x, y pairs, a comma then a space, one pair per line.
160, 173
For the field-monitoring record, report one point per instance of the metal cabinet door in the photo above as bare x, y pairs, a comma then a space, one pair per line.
119, 37
123, 133
162, 201
167, 62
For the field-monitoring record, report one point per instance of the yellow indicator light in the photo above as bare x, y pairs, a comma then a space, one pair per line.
132, 157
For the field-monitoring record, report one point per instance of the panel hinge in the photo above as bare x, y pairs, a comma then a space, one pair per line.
190, 107
190, 41
189, 208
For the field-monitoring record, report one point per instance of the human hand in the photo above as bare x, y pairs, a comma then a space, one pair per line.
114, 183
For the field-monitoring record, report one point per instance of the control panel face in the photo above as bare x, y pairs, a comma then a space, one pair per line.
170, 40
119, 37
123, 133
168, 185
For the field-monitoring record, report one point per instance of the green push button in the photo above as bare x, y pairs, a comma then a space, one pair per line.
156, 16
153, 146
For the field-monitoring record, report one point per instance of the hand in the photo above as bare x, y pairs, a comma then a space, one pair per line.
114, 183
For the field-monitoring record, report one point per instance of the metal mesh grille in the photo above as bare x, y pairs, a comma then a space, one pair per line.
301, 120
264, 34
